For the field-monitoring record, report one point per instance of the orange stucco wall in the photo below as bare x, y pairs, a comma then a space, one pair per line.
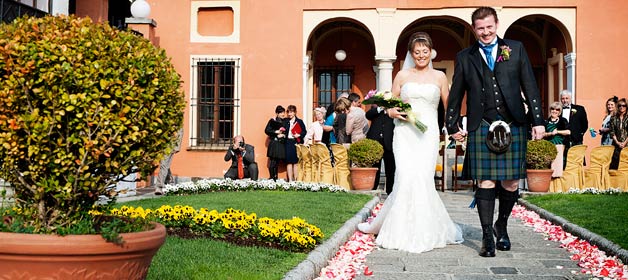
271, 49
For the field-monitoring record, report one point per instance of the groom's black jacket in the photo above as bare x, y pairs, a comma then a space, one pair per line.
514, 77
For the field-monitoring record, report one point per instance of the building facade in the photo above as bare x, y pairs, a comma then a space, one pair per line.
240, 58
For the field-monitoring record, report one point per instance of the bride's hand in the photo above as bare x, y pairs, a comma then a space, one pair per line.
395, 114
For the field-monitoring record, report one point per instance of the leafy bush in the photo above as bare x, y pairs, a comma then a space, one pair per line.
365, 152
540, 154
82, 105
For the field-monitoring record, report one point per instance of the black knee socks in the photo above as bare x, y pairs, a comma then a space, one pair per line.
485, 200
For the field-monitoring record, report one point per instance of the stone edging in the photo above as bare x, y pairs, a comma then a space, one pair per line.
318, 258
604, 244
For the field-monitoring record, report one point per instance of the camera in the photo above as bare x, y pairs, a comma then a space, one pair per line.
241, 144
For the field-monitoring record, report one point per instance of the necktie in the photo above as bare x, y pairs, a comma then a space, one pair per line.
488, 52
240, 167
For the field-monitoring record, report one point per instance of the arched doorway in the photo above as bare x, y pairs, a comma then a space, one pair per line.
547, 42
333, 75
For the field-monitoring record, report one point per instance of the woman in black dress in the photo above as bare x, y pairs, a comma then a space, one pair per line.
619, 131
295, 131
277, 137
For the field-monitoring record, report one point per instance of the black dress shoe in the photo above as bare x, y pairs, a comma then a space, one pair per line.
503, 241
488, 243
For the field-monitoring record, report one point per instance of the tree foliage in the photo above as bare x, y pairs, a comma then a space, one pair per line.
82, 104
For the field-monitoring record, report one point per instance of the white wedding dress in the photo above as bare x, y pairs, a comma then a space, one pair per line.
414, 218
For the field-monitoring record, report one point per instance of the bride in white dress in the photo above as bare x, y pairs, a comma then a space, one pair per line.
413, 217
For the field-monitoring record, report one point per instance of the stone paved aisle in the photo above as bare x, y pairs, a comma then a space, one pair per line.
531, 256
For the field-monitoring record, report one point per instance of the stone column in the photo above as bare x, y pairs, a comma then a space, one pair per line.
570, 59
145, 26
384, 70
306, 69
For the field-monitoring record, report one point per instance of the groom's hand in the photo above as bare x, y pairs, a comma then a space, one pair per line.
395, 114
460, 136
538, 132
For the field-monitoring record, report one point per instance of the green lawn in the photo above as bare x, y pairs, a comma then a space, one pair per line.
209, 259
603, 214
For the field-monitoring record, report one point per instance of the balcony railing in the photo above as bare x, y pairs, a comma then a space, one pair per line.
10, 10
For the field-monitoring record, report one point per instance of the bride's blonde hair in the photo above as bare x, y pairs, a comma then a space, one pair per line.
420, 38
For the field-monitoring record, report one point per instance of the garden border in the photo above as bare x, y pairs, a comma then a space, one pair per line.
320, 256
604, 244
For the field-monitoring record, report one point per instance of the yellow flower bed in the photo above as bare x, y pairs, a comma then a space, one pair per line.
293, 234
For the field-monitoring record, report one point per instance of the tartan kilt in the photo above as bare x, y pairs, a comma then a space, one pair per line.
482, 164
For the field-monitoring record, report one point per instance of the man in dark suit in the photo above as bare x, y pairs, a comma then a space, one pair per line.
577, 117
381, 130
242, 158
493, 72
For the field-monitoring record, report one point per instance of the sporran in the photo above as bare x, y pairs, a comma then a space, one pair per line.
498, 138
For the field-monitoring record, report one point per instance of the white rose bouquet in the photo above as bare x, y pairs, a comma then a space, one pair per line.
385, 99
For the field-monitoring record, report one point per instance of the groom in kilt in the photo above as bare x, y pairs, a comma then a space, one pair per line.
497, 77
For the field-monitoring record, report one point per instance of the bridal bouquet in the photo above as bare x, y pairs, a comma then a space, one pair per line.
385, 99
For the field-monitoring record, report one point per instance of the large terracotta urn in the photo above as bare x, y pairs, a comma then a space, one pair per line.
539, 179
46, 256
363, 178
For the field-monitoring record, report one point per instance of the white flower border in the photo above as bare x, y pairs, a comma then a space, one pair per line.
594, 191
209, 185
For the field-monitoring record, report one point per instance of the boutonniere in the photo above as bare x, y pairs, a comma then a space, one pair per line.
505, 54
573, 111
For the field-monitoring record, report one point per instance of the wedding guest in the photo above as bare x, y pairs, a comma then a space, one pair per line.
329, 137
381, 130
295, 130
242, 157
619, 131
315, 130
557, 132
340, 122
165, 176
606, 123
276, 145
577, 118
357, 124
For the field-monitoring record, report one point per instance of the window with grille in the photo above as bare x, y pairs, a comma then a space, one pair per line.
330, 84
215, 102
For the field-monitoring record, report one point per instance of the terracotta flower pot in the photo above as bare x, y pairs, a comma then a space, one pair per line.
539, 180
363, 178
42, 256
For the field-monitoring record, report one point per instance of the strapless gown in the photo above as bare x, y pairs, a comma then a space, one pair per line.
414, 218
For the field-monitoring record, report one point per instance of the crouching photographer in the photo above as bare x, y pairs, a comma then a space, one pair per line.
242, 158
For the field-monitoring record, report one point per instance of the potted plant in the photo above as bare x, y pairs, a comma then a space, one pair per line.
83, 105
363, 154
539, 157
